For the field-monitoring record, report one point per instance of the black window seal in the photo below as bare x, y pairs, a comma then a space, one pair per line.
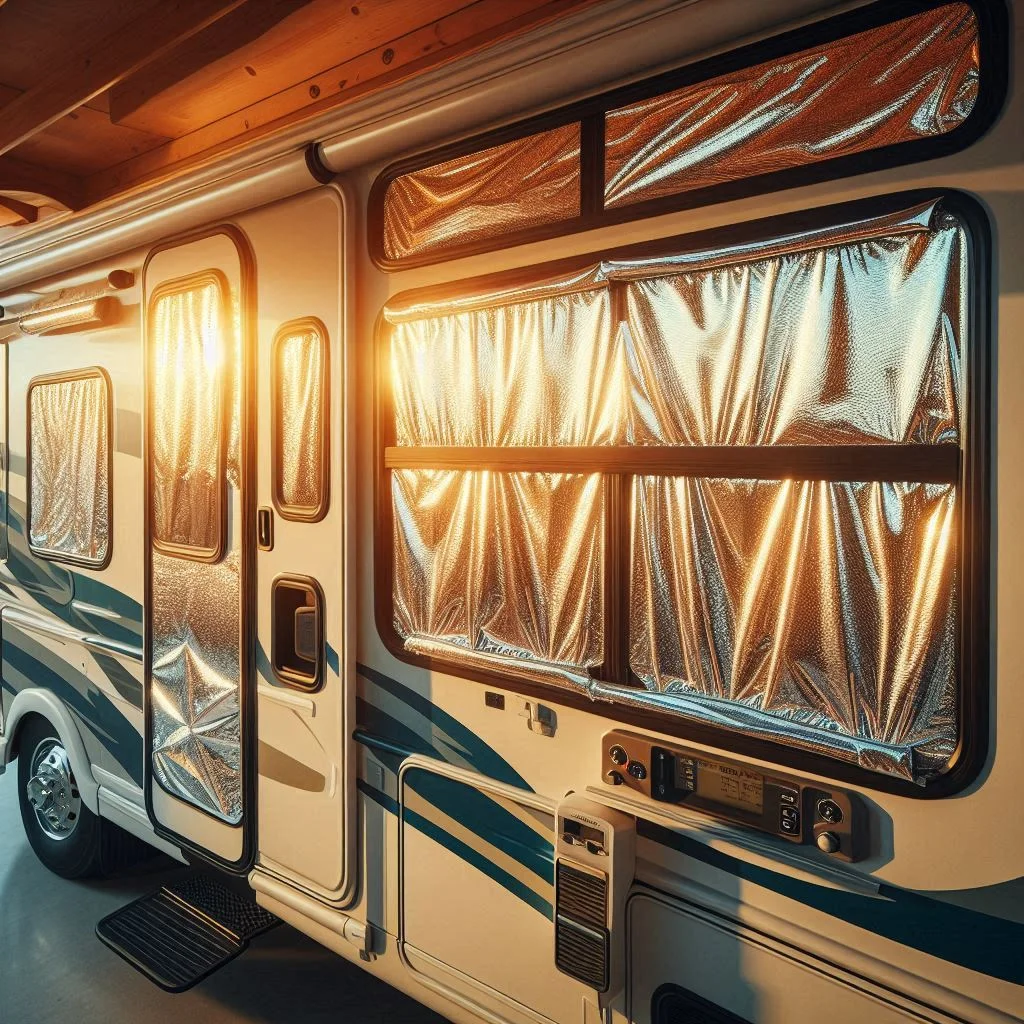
993, 37
64, 377
973, 680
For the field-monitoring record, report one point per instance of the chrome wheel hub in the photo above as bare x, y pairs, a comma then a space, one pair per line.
52, 791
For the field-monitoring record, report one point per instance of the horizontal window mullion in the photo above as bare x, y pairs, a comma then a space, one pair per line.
904, 463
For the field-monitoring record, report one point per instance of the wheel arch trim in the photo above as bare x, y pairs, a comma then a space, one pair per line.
36, 700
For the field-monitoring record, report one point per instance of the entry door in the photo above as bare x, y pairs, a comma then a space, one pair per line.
199, 316
301, 650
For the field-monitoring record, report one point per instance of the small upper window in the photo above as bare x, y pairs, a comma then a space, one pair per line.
69, 467
300, 404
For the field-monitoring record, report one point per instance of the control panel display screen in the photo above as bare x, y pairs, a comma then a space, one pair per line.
727, 784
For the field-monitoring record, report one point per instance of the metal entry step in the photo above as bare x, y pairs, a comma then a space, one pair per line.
184, 932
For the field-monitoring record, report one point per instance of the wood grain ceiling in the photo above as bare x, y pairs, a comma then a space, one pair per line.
100, 96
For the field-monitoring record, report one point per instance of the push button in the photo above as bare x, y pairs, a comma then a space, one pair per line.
638, 770
789, 821
618, 755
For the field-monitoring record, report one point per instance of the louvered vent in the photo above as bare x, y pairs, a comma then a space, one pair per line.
582, 896
582, 952
581, 913
674, 1005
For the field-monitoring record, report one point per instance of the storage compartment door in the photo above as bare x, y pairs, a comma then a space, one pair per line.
478, 895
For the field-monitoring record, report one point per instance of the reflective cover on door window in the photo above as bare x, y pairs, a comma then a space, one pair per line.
912, 79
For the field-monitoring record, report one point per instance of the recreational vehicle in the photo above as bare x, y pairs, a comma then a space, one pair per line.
547, 529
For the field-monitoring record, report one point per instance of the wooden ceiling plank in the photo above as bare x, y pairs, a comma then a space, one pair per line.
87, 73
472, 28
15, 212
18, 176
173, 97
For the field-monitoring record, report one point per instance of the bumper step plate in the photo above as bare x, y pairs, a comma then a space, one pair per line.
182, 933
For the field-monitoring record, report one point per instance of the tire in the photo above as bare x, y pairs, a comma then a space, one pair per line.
64, 834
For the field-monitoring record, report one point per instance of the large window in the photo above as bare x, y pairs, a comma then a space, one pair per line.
69, 467
723, 482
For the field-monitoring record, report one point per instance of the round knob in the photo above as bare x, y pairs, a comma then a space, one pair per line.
618, 755
830, 811
614, 778
828, 842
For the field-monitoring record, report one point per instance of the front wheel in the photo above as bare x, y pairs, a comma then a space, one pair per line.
65, 835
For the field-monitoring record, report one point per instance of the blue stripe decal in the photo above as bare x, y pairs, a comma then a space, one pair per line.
461, 850
466, 744
333, 662
488, 819
989, 945
116, 734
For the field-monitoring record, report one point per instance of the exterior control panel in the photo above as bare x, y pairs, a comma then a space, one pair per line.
794, 810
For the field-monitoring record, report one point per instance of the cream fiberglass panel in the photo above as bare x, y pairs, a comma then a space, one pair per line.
188, 329
501, 564
69, 452
299, 420
912, 79
803, 606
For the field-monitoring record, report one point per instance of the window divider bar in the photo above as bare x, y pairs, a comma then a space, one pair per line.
904, 463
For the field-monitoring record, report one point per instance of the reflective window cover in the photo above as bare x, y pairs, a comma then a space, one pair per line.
829, 606
546, 371
857, 342
299, 420
507, 565
510, 187
194, 396
69, 451
187, 330
823, 615
914, 78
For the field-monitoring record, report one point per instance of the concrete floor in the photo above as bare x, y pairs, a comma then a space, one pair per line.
53, 968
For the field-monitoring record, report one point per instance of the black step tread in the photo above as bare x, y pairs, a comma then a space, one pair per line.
182, 933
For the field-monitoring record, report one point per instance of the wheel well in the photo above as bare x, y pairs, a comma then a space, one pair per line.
15, 742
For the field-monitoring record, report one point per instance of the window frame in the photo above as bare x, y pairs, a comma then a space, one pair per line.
64, 377
299, 513
886, 463
192, 552
993, 36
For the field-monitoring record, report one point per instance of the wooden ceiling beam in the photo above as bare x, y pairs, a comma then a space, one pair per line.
219, 78
89, 72
19, 176
464, 31
13, 212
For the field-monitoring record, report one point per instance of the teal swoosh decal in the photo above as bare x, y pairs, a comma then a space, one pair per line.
474, 750
979, 942
461, 850
488, 819
117, 735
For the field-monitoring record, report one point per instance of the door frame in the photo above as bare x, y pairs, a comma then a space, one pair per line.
247, 307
